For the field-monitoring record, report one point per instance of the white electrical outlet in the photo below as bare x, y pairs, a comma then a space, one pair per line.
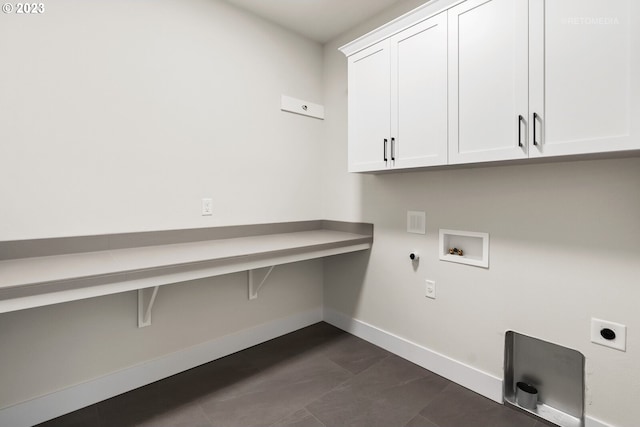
609, 334
207, 207
430, 290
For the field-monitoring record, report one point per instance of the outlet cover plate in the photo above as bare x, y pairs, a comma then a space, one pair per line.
619, 342
430, 289
207, 207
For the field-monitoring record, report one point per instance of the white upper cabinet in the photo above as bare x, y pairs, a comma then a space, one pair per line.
584, 55
398, 100
369, 108
419, 94
488, 68
494, 80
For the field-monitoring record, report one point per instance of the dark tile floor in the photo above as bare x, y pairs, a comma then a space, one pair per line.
319, 376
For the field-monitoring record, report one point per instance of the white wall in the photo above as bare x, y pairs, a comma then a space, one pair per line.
119, 116
564, 248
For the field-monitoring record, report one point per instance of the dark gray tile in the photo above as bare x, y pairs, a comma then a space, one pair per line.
392, 392
311, 339
355, 411
457, 406
273, 393
153, 415
191, 386
544, 423
394, 406
352, 353
301, 418
154, 405
133, 409
420, 421
412, 396
344, 349
84, 417
181, 416
386, 374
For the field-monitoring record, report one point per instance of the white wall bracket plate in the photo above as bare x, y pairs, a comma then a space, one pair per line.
304, 108
146, 299
256, 283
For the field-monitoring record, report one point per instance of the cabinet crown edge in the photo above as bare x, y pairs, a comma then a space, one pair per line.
420, 13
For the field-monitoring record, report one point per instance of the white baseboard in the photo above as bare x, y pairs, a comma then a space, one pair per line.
467, 376
61, 402
592, 422
471, 378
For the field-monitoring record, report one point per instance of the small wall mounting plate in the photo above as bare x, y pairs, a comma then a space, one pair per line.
416, 222
304, 108
474, 245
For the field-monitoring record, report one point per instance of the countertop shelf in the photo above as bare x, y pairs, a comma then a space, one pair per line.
45, 273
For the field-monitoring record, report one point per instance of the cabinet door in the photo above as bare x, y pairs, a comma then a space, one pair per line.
584, 55
369, 108
488, 82
419, 95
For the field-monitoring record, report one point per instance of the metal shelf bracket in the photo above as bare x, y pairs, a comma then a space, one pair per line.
255, 283
146, 299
